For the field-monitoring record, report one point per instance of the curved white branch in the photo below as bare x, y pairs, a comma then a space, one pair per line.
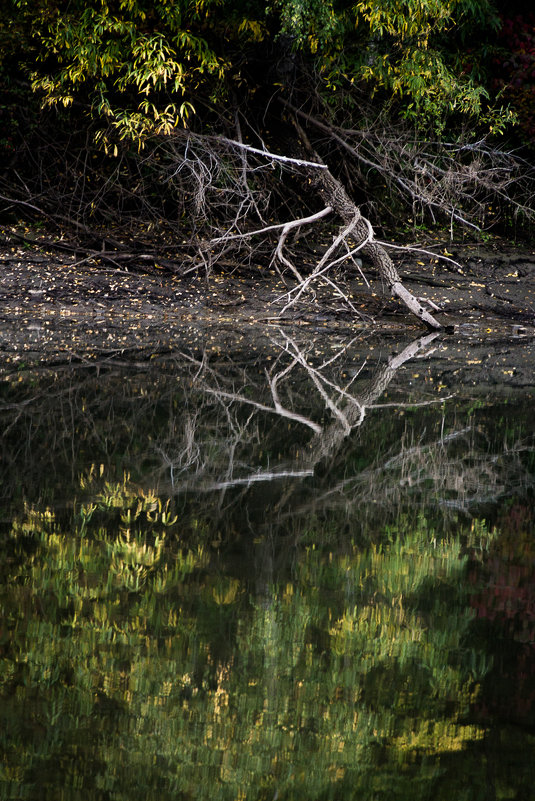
287, 225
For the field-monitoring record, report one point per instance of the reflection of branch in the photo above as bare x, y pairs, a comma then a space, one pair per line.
277, 409
317, 379
190, 454
419, 449
196, 440
347, 408
348, 411
317, 372
254, 478
405, 475
328, 441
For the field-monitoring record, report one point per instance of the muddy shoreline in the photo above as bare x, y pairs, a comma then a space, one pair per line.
56, 307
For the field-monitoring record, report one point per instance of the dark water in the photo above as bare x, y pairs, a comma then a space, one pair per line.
291, 567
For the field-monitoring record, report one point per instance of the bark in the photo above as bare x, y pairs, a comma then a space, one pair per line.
334, 194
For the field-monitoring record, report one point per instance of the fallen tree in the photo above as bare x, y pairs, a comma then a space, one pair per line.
354, 225
214, 145
227, 199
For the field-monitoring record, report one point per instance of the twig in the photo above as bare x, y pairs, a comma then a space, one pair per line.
412, 249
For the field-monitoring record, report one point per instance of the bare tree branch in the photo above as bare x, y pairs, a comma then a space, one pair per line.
272, 156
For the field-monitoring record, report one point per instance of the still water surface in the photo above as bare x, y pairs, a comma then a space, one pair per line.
299, 567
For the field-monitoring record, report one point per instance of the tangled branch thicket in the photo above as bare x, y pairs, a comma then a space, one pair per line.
433, 179
203, 199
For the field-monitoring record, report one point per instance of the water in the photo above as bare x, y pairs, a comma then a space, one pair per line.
290, 566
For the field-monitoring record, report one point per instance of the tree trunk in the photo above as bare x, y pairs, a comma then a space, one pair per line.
334, 194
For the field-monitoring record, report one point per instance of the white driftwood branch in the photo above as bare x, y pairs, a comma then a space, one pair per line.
322, 266
412, 303
273, 156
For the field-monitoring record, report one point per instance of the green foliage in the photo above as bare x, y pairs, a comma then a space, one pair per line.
310, 24
137, 63
405, 48
143, 67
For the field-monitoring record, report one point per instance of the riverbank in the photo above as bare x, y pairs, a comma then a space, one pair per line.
56, 306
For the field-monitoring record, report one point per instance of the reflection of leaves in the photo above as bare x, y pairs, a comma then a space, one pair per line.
120, 646
33, 521
225, 592
123, 550
350, 659
135, 551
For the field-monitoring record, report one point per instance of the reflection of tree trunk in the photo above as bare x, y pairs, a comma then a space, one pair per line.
329, 440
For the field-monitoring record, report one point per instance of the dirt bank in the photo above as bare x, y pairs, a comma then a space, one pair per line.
59, 307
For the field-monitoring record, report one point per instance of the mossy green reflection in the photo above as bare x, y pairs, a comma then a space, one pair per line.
133, 667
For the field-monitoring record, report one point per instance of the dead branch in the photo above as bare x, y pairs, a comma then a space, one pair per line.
322, 266
268, 228
334, 194
415, 249
271, 156
457, 181
208, 198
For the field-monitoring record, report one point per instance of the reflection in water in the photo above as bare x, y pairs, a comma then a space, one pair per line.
299, 575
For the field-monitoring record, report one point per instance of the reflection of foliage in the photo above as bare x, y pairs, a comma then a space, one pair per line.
117, 545
232, 640
391, 668
352, 676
